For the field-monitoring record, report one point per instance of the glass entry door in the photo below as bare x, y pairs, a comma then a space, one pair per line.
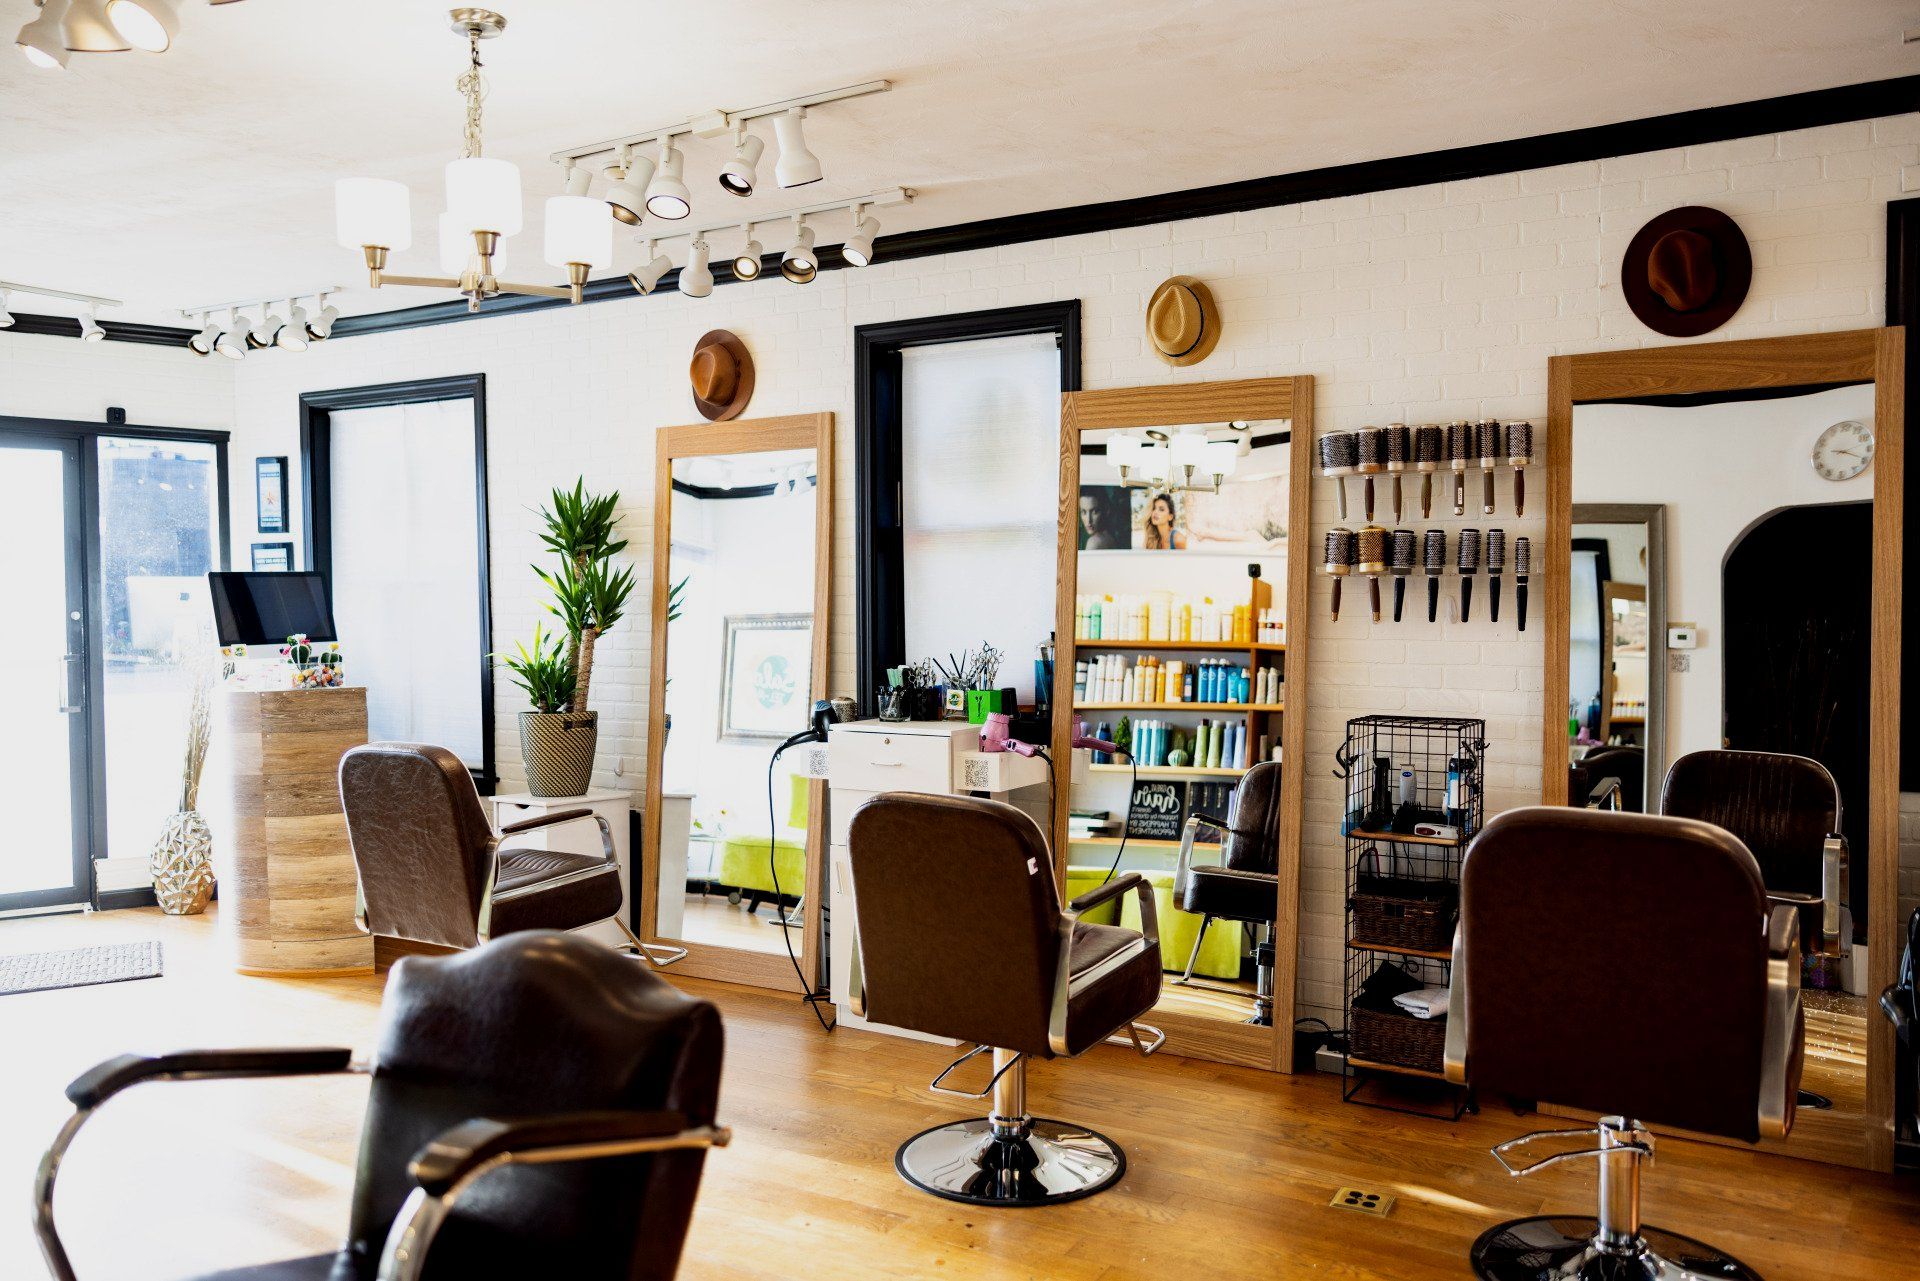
44, 743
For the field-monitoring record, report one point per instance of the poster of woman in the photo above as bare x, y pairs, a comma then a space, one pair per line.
1158, 525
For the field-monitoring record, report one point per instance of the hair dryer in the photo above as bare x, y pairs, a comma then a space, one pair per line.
1083, 739
816, 732
996, 736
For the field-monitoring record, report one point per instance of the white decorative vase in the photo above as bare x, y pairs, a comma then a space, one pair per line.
182, 864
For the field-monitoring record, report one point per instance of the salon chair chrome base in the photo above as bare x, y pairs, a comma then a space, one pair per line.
1023, 1161
1612, 1246
1557, 1248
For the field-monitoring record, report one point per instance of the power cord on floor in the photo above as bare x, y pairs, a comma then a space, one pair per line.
812, 998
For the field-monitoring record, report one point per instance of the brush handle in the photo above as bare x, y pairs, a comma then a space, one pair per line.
1466, 597
1519, 491
1493, 597
1366, 494
1399, 597
1396, 500
1520, 600
1426, 496
1486, 491
1342, 483
1373, 591
1433, 598
1336, 600
1459, 493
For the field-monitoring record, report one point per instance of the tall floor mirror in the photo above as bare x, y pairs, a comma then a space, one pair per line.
1182, 637
733, 849
1723, 634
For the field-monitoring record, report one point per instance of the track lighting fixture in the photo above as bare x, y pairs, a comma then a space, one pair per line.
667, 194
483, 201
627, 186
800, 264
41, 40
201, 344
293, 334
858, 251
295, 331
647, 278
90, 330
746, 263
320, 328
797, 167
147, 25
88, 30
697, 280
266, 330
6, 317
737, 175
232, 342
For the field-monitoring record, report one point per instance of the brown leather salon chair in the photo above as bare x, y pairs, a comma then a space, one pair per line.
1611, 778
961, 934
1628, 965
539, 1107
1245, 885
1786, 809
432, 871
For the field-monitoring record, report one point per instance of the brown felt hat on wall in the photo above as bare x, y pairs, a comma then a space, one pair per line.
1182, 323
1686, 272
722, 376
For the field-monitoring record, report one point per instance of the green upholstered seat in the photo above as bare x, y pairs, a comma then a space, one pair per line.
1219, 955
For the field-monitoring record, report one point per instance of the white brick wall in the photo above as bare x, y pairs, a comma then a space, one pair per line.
1425, 303
42, 377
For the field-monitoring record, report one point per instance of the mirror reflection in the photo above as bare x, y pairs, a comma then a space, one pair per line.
1180, 658
739, 642
1717, 659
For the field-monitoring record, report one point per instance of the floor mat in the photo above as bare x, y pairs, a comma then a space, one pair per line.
79, 967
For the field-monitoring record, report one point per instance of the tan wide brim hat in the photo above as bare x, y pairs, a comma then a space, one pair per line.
722, 376
1182, 323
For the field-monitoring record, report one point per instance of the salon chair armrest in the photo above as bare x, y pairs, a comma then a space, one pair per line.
1195, 821
1780, 1036
1606, 796
1104, 893
1454, 1056
1070, 915
545, 820
1833, 892
449, 1163
101, 1082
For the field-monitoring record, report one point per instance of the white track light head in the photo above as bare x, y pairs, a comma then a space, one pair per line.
746, 263
737, 175
232, 342
667, 194
41, 40
797, 166
293, 334
859, 247
201, 344
799, 264
147, 25
647, 277
320, 328
697, 280
6, 316
88, 30
90, 330
627, 186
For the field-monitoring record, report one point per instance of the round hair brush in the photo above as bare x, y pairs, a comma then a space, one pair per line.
1371, 560
1460, 455
1429, 442
1338, 454
1341, 554
1487, 435
1401, 551
1399, 445
1519, 457
1436, 565
1372, 460
1522, 568
1496, 566
1469, 564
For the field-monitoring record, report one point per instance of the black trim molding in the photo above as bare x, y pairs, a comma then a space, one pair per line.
116, 331
879, 557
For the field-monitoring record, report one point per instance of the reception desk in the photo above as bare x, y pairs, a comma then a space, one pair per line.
285, 868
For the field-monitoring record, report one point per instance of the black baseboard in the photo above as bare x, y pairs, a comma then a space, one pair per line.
114, 900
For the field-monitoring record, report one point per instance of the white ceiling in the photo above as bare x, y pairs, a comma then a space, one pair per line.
205, 173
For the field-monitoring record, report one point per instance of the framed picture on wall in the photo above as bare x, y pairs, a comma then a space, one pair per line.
272, 558
766, 663
270, 494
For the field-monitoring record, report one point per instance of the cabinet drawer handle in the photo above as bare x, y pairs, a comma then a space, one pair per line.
886, 764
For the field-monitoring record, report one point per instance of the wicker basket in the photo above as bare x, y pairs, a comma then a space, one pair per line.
1380, 1036
1396, 912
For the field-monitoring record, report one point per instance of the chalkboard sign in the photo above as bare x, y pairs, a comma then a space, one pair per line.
1156, 813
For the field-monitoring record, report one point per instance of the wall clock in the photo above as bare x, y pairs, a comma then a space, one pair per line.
1843, 451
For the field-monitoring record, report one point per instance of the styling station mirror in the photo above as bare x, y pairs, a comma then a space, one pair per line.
1722, 587
1176, 594
743, 518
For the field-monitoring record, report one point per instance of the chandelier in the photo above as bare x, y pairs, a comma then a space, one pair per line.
483, 206
1157, 460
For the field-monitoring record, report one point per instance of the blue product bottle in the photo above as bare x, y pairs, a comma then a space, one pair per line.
1103, 731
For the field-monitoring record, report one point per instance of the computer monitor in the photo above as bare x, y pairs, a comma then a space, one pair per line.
265, 609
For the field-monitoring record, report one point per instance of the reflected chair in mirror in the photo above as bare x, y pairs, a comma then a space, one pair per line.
1900, 1002
539, 1107
432, 872
1786, 810
1632, 966
1611, 778
1244, 885
961, 935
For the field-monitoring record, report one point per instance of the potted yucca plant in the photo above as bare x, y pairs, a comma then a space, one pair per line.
559, 733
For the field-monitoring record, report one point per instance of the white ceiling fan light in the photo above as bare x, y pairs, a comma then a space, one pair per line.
293, 334
797, 167
147, 25
697, 280
42, 41
858, 250
90, 330
87, 29
647, 278
738, 174
800, 264
627, 186
667, 194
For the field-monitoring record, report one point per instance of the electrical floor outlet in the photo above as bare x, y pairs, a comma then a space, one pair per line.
1378, 1204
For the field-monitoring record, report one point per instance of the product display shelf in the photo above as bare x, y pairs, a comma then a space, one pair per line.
1392, 1059
1171, 771
1180, 707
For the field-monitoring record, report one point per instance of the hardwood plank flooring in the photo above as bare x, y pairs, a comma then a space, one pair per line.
1229, 1170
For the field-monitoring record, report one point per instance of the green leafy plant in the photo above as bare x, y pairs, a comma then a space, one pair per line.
589, 594
544, 672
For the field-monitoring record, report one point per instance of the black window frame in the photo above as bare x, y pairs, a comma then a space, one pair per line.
316, 500
879, 553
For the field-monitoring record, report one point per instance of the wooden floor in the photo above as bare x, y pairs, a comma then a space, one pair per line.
1230, 1170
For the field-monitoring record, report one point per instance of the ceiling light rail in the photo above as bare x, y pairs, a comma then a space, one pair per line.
877, 200
713, 124
295, 329
798, 265
90, 330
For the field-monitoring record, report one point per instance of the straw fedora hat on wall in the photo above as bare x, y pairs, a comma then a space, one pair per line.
1686, 272
1182, 323
722, 376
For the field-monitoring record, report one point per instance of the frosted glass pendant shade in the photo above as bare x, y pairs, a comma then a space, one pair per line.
484, 195
372, 211
1187, 449
578, 230
1222, 457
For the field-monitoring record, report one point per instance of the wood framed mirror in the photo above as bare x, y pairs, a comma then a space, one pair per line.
734, 846
1778, 599
1182, 553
